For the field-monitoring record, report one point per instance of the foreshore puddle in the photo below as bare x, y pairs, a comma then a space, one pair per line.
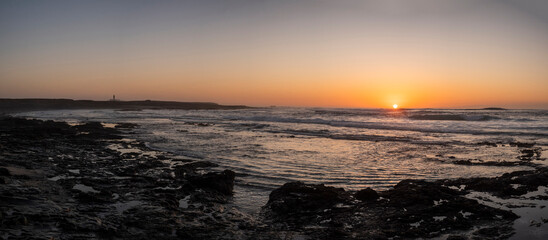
533, 213
123, 206
57, 178
85, 189
183, 203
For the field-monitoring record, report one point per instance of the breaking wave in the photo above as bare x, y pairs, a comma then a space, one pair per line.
452, 117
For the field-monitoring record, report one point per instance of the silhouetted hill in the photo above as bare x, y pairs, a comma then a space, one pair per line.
15, 105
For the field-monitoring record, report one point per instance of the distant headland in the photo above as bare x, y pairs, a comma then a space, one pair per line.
32, 104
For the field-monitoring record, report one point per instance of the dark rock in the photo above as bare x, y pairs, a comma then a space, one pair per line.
95, 130
366, 195
462, 162
522, 145
4, 172
91, 198
417, 192
222, 182
199, 124
126, 125
488, 163
491, 144
296, 197
528, 154
182, 170
502, 186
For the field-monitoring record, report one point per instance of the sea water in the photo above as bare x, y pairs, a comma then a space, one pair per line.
350, 148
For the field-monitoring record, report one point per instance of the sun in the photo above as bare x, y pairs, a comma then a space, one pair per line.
395, 106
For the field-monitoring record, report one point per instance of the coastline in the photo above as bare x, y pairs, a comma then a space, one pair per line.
87, 181
90, 181
37, 104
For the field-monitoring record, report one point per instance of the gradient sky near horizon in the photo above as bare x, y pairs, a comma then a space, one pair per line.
353, 53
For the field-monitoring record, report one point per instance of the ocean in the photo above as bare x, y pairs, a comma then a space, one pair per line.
349, 148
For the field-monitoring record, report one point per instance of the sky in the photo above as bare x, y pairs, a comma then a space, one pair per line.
328, 53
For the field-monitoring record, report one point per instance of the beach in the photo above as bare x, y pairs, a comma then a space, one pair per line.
91, 179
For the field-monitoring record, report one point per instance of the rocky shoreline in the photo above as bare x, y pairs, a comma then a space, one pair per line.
8, 106
61, 181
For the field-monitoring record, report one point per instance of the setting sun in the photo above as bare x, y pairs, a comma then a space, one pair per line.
395, 106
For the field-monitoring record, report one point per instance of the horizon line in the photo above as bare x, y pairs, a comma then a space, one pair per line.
487, 107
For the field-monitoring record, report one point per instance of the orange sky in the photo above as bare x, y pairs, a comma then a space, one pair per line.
416, 53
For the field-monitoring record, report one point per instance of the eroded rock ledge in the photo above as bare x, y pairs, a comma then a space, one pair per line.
87, 181
412, 209
455, 209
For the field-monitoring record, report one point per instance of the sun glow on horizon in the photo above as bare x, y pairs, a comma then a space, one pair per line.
395, 106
